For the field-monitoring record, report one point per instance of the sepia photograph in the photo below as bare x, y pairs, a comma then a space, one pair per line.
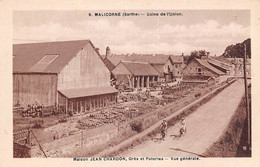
122, 85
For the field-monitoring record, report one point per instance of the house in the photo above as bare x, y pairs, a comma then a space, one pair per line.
168, 66
68, 74
178, 65
201, 67
135, 74
162, 64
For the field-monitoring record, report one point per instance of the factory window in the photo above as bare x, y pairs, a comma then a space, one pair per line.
47, 59
199, 71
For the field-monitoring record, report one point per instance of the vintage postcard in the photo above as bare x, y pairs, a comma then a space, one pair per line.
132, 86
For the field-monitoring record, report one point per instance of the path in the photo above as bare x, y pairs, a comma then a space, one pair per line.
204, 127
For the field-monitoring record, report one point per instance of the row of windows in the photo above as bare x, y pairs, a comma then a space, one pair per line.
196, 68
176, 66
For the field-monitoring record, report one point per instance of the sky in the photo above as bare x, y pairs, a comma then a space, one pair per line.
210, 30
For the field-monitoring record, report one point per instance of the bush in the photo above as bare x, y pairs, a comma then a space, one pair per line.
197, 94
38, 125
228, 138
137, 126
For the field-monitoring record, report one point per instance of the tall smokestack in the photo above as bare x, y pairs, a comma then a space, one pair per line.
108, 52
182, 57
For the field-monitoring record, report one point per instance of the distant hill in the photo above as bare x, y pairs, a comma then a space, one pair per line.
237, 50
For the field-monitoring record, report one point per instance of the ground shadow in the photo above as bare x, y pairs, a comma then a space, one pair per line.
157, 139
175, 136
178, 149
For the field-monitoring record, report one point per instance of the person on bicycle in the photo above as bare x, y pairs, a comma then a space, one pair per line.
163, 128
183, 126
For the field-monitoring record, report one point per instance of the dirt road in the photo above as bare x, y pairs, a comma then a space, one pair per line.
204, 127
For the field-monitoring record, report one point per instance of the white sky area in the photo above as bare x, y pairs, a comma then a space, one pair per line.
212, 30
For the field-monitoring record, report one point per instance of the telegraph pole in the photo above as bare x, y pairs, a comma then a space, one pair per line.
247, 102
82, 138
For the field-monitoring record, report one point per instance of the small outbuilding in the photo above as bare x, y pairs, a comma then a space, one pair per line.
135, 74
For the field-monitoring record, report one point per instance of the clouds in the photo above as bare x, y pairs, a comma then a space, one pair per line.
210, 29
46, 32
127, 36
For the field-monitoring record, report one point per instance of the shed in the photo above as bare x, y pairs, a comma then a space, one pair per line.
42, 72
135, 74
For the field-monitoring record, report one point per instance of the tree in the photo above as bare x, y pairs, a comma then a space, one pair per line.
195, 54
237, 50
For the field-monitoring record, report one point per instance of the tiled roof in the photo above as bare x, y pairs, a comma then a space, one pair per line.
218, 64
109, 64
159, 68
177, 59
152, 59
27, 57
85, 92
219, 61
210, 67
156, 59
116, 60
222, 59
140, 68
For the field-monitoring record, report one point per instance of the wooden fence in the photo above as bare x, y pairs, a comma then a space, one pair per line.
22, 136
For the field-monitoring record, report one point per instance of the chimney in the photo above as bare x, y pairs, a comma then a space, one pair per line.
108, 52
208, 54
182, 57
